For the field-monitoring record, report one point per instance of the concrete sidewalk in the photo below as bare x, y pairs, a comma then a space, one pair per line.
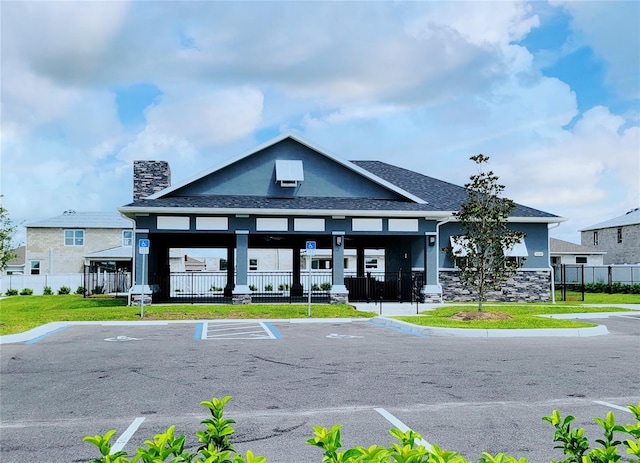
393, 308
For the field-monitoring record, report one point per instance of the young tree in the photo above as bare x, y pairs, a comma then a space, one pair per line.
7, 230
480, 252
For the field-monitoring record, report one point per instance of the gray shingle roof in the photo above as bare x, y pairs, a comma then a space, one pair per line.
440, 196
560, 246
83, 220
630, 218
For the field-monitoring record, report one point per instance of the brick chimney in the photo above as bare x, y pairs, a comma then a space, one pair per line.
150, 177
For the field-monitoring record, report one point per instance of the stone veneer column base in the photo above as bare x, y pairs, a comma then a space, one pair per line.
241, 299
431, 294
338, 298
524, 286
135, 299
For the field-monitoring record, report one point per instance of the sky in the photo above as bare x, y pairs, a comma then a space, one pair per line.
549, 90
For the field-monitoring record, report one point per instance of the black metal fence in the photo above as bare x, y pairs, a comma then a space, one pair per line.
389, 286
213, 287
570, 279
101, 280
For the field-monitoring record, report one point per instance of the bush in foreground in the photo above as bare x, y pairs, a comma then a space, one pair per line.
216, 446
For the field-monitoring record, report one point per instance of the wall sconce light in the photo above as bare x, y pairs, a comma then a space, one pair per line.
432, 240
338, 240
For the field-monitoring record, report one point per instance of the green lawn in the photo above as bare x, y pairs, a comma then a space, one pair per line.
599, 298
524, 316
21, 313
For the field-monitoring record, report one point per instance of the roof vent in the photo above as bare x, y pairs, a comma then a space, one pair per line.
289, 173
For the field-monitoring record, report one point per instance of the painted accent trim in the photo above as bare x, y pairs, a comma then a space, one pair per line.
212, 223
403, 225
272, 224
308, 225
368, 224
172, 223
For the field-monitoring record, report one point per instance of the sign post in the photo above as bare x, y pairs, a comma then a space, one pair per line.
311, 251
143, 250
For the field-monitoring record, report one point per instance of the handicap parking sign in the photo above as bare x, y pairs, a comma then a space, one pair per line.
143, 246
311, 247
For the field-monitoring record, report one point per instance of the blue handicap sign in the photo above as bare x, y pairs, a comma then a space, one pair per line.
143, 246
311, 245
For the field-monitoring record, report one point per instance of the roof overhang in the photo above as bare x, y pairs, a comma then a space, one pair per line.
133, 211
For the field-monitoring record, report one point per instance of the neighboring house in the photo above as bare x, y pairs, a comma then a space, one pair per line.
66, 243
564, 252
289, 194
618, 237
16, 265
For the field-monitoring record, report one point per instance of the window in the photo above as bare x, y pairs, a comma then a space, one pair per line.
127, 237
223, 264
581, 259
253, 264
619, 235
74, 237
595, 238
371, 263
35, 267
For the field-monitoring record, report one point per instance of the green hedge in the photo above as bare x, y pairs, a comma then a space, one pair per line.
216, 445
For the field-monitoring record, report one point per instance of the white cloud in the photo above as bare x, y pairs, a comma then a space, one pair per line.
612, 32
423, 85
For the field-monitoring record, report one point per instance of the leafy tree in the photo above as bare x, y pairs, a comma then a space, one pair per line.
7, 229
480, 252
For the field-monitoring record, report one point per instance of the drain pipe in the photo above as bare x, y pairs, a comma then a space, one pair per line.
438, 224
553, 276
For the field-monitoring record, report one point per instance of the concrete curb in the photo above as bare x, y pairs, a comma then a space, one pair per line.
598, 330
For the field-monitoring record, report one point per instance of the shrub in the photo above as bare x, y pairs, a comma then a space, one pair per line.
11, 292
268, 287
326, 286
80, 290
64, 290
253, 287
99, 289
47, 291
283, 287
216, 444
315, 287
26, 292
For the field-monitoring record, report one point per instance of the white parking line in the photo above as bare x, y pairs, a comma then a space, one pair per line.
610, 405
401, 426
124, 438
237, 330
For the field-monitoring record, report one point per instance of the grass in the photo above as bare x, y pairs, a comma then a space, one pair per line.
599, 298
21, 313
523, 316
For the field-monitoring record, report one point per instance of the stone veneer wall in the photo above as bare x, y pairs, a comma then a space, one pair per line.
524, 286
150, 177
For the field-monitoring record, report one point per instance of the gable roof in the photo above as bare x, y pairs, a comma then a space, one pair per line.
630, 218
417, 195
557, 246
73, 219
293, 136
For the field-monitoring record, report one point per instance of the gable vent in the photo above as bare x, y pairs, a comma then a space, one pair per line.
289, 172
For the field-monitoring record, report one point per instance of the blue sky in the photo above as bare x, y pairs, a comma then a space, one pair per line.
549, 90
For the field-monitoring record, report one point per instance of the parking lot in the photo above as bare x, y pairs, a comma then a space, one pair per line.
466, 394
